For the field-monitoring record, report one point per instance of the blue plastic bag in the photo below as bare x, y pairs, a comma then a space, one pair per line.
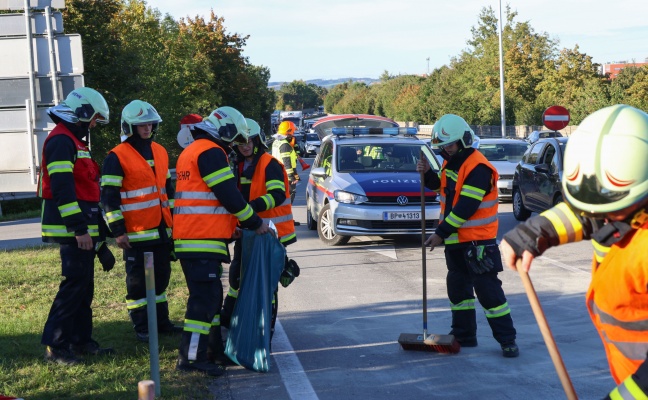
248, 339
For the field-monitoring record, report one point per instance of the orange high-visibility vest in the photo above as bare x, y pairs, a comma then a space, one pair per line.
617, 300
144, 200
199, 218
281, 215
482, 225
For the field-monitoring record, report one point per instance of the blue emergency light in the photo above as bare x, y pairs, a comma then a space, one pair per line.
339, 131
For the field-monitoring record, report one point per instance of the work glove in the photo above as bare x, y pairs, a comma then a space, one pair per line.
478, 259
106, 257
290, 272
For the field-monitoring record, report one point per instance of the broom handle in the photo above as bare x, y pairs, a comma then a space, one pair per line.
546, 334
423, 266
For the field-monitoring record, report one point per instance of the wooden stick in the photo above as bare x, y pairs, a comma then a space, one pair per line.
546, 334
146, 390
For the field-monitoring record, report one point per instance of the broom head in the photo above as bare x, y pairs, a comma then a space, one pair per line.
437, 343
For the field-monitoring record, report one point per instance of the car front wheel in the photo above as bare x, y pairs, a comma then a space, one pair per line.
519, 211
325, 228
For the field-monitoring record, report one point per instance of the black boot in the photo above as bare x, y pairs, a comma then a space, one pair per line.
196, 362
215, 347
226, 312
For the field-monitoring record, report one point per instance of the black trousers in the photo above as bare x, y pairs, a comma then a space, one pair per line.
70, 317
203, 306
463, 284
136, 284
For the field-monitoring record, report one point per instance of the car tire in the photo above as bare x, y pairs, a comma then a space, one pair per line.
325, 228
311, 223
519, 211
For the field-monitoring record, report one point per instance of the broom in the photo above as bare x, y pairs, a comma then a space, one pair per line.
425, 342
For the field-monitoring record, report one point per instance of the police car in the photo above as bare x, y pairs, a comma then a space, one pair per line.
364, 182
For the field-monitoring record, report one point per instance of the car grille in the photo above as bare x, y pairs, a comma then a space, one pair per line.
506, 176
391, 200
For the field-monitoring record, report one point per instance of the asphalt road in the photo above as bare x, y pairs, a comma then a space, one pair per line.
339, 323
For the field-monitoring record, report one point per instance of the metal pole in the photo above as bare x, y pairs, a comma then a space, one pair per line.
30, 140
52, 55
32, 72
501, 65
154, 357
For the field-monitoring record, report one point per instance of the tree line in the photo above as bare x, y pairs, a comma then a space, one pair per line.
193, 65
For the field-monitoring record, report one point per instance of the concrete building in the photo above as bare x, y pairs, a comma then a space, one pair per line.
615, 67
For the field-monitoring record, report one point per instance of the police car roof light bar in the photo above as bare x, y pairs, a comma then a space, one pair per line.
340, 131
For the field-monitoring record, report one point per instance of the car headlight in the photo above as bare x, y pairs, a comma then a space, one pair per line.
349, 198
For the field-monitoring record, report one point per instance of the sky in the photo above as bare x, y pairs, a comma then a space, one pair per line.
333, 39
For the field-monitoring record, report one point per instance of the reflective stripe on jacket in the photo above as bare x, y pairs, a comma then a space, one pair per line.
199, 218
617, 300
280, 215
144, 201
482, 225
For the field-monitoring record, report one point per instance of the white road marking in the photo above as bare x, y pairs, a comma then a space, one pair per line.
385, 250
292, 373
559, 264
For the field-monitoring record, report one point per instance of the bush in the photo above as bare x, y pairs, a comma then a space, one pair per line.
11, 207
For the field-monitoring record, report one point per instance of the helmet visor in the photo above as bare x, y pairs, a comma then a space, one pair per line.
590, 191
101, 119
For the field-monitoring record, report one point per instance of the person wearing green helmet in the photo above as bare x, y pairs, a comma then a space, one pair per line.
137, 195
468, 227
606, 201
208, 208
69, 186
263, 181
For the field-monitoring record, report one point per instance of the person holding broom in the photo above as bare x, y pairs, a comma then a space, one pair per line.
468, 227
606, 201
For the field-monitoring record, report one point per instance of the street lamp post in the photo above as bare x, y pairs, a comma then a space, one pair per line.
501, 65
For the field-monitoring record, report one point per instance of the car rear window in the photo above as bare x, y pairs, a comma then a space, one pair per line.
511, 152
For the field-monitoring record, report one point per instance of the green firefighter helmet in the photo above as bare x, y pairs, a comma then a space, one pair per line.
225, 123
82, 105
604, 165
451, 128
138, 112
254, 130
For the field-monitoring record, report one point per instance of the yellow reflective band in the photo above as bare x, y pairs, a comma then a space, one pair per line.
69, 209
500, 311
628, 390
132, 304
566, 224
112, 180
59, 166
219, 176
245, 213
191, 325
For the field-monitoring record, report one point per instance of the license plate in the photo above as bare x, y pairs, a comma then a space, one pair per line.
399, 216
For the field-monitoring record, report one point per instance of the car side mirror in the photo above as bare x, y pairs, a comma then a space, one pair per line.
543, 168
318, 172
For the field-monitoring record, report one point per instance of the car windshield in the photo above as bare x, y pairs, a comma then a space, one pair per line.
312, 137
386, 157
511, 152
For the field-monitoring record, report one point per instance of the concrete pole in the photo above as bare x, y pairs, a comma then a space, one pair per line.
154, 356
501, 65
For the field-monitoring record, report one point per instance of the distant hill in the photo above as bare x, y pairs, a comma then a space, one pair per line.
327, 83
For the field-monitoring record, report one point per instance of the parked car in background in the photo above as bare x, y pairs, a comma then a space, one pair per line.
537, 178
535, 135
310, 144
364, 182
504, 154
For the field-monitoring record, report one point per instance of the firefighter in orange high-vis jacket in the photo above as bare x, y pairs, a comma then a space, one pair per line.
263, 181
137, 193
605, 186
468, 228
69, 187
208, 207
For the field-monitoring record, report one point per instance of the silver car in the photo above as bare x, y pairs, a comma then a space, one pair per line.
504, 154
367, 184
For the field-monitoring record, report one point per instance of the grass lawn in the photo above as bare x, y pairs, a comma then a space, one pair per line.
29, 279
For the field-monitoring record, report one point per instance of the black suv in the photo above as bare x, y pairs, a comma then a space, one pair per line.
537, 178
